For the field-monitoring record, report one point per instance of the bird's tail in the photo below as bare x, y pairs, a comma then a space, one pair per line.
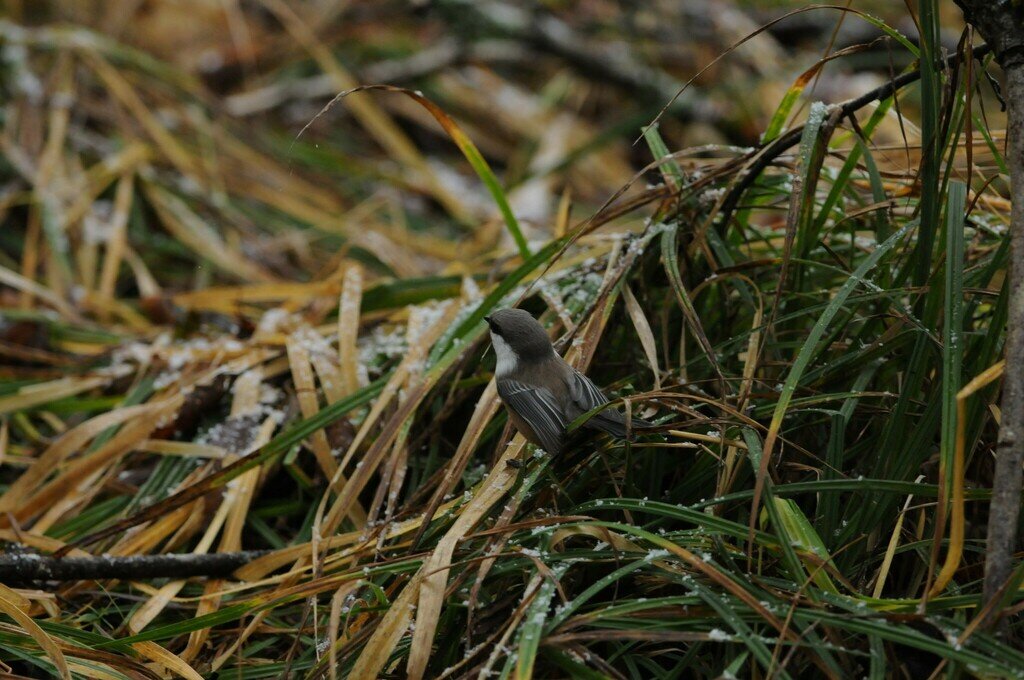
636, 424
617, 426
641, 424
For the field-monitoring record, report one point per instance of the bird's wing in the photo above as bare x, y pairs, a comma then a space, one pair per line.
584, 392
540, 410
587, 396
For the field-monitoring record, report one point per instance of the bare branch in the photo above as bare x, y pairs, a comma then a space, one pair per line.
1001, 23
22, 567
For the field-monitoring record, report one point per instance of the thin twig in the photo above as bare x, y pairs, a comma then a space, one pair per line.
1001, 23
20, 567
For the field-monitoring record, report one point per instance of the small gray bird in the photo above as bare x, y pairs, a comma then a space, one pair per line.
544, 394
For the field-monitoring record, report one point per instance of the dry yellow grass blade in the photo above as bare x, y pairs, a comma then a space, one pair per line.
486, 407
120, 444
49, 180
41, 601
94, 671
422, 334
348, 327
329, 374
232, 649
426, 245
240, 493
890, 551
403, 263
248, 172
228, 299
393, 477
387, 634
33, 395
29, 262
395, 383
38, 541
261, 566
156, 604
348, 495
727, 474
144, 280
370, 116
287, 589
167, 660
299, 346
208, 603
102, 174
187, 449
31, 289
429, 581
85, 491
68, 443
38, 634
707, 438
238, 498
643, 330
126, 93
753, 347
149, 536
333, 625
956, 504
305, 389
54, 423
193, 524
118, 237
15, 598
245, 397
105, 307
195, 233
296, 204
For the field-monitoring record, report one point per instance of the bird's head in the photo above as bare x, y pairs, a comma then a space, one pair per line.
517, 338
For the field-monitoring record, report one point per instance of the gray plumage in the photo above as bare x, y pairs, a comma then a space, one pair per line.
544, 394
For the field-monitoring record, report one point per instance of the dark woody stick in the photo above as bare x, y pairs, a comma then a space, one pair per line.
20, 567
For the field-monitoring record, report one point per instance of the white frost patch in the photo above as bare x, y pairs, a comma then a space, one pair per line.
272, 321
97, 224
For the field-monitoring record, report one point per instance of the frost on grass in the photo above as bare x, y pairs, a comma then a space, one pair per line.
719, 635
382, 345
311, 341
274, 321
172, 357
235, 434
423, 317
578, 287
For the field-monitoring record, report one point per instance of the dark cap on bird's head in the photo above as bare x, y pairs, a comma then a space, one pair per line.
542, 393
521, 332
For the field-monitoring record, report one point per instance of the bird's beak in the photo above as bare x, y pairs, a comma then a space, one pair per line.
490, 323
